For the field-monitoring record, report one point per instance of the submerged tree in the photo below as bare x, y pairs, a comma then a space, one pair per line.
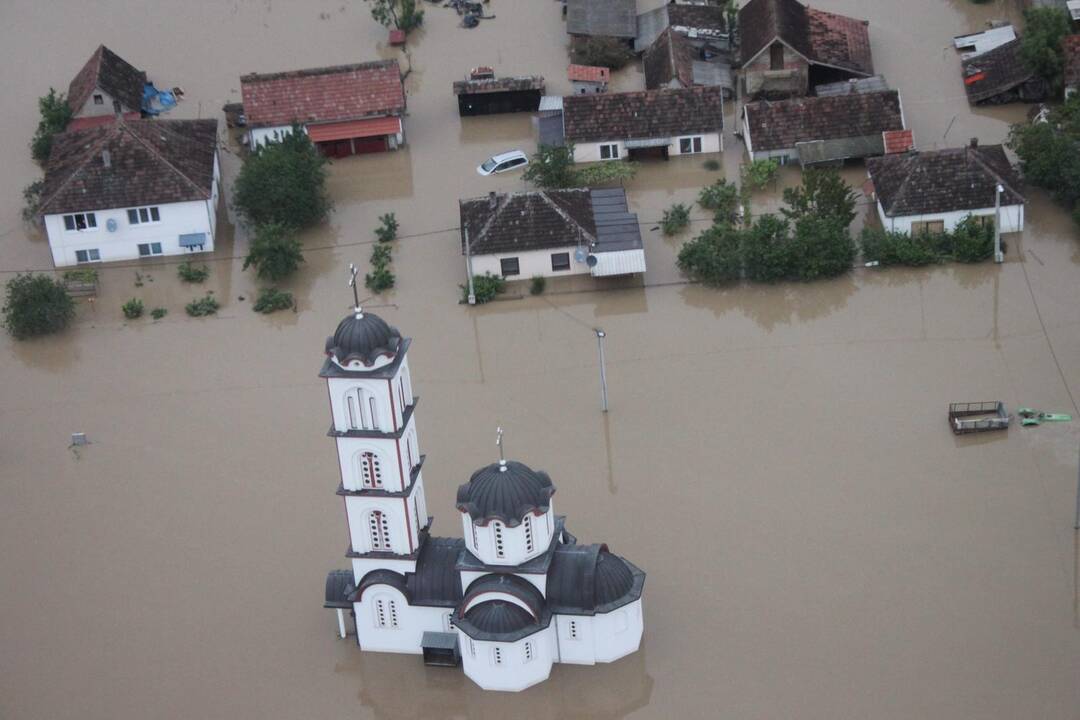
55, 116
400, 14
36, 305
275, 252
822, 193
283, 182
1040, 45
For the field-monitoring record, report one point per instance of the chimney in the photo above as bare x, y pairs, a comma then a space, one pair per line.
106, 158
975, 142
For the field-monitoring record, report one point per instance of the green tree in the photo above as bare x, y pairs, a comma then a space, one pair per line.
552, 167
823, 248
283, 182
1040, 45
603, 51
714, 257
400, 14
722, 198
675, 219
55, 116
32, 200
275, 252
604, 173
485, 287
823, 193
767, 250
1049, 152
36, 305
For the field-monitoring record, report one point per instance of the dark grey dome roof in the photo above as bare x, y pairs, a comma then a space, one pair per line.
587, 577
495, 493
499, 616
364, 337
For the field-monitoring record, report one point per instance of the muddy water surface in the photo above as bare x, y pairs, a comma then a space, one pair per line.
818, 545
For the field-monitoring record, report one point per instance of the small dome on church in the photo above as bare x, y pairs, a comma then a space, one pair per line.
499, 616
613, 578
505, 491
362, 337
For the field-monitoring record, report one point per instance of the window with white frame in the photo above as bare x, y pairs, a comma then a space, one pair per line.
500, 548
147, 249
609, 151
688, 145
475, 542
496, 655
560, 261
379, 530
528, 651
361, 411
141, 216
621, 621
370, 471
80, 222
84, 256
472, 648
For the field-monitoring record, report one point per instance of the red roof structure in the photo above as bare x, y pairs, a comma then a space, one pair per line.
898, 141
588, 73
324, 95
821, 37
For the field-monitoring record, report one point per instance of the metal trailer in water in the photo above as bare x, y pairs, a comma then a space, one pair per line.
978, 417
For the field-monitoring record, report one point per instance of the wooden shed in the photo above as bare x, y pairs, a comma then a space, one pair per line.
489, 96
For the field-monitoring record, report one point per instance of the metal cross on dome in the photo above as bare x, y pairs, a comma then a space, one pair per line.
352, 283
499, 443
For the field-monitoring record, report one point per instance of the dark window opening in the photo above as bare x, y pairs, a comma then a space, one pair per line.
510, 266
776, 57
560, 261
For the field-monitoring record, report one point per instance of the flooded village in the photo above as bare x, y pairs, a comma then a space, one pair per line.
775, 456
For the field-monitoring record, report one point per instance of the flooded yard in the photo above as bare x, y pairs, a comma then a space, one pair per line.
777, 458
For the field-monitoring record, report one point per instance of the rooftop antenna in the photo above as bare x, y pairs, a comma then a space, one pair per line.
355, 293
498, 441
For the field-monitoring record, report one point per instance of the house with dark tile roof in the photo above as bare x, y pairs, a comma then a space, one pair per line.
106, 85
933, 190
131, 189
602, 18
1071, 46
705, 22
345, 110
552, 233
815, 130
787, 48
650, 123
1000, 76
676, 60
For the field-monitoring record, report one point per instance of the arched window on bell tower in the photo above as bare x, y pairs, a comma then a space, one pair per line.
370, 471
379, 530
361, 410
500, 547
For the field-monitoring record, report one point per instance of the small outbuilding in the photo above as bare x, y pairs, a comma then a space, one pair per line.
652, 123
106, 85
675, 60
552, 233
602, 18
345, 110
933, 190
484, 94
1071, 46
788, 48
817, 130
587, 79
1001, 76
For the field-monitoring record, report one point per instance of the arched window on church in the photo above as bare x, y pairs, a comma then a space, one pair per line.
386, 613
475, 541
370, 471
500, 548
379, 528
528, 651
361, 411
527, 523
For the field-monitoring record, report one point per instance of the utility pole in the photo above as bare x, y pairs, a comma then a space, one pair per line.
468, 267
600, 335
999, 257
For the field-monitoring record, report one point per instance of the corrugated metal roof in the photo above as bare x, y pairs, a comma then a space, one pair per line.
551, 103
984, 41
618, 248
623, 262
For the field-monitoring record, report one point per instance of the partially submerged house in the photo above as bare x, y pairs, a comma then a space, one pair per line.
588, 78
1071, 46
107, 85
975, 44
788, 48
1000, 76
674, 60
933, 190
652, 123
345, 110
697, 22
602, 18
131, 189
816, 130
484, 94
552, 233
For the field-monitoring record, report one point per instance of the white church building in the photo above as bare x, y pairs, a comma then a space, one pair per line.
516, 595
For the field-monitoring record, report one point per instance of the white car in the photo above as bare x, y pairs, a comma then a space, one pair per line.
501, 163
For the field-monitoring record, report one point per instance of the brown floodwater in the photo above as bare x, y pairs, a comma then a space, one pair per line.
777, 458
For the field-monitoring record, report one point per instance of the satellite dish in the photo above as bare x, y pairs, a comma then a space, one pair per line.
591, 261
110, 224
579, 255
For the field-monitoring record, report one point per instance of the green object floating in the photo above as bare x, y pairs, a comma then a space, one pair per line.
1035, 417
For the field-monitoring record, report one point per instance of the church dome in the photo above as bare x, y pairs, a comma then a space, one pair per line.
505, 491
364, 338
499, 617
613, 578
583, 578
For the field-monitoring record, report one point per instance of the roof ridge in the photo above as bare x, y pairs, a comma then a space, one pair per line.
566, 216
977, 156
78, 168
154, 151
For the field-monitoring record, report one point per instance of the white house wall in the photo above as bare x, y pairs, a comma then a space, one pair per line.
388, 412
395, 470
259, 136
176, 219
1012, 218
590, 151
515, 672
532, 262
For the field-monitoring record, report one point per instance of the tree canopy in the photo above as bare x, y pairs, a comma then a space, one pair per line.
36, 305
400, 14
552, 167
275, 252
1040, 45
1049, 152
283, 182
55, 116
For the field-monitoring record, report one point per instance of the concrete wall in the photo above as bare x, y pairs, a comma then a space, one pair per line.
480, 539
1012, 218
176, 219
532, 262
517, 670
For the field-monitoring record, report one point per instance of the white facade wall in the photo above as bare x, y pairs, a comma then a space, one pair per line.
350, 401
532, 262
391, 466
590, 151
259, 136
481, 539
412, 622
91, 109
515, 671
576, 643
618, 633
1012, 218
401, 517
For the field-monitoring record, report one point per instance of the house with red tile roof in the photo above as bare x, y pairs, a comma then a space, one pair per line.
106, 85
588, 78
788, 48
345, 110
